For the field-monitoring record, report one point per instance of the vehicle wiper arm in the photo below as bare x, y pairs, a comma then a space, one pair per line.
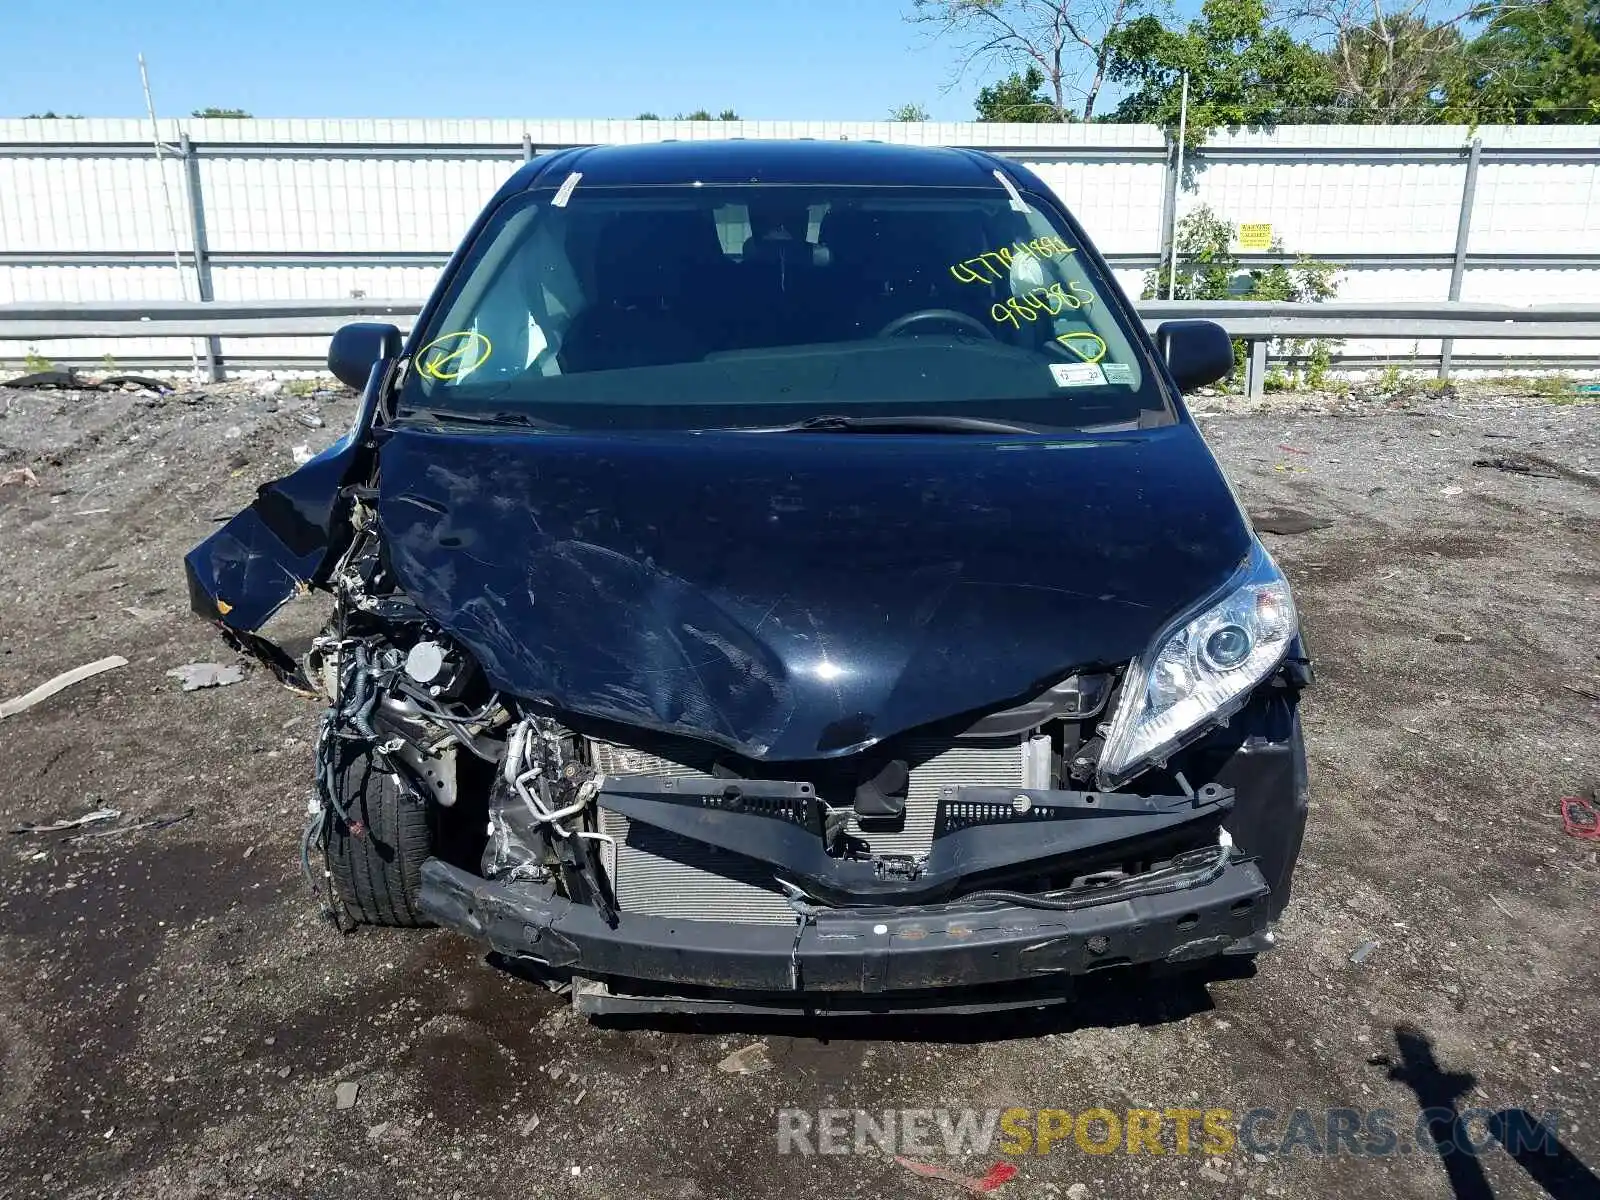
910, 423
507, 417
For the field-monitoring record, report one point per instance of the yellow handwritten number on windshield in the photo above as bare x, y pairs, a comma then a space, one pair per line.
1017, 309
452, 355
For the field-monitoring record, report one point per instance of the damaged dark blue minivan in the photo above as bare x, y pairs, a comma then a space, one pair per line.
783, 576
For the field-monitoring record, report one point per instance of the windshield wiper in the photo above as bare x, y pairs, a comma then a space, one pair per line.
508, 417
912, 423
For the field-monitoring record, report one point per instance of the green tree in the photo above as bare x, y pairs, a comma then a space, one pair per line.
51, 115
229, 114
908, 112
1389, 70
1241, 71
1208, 269
1067, 42
1536, 64
647, 116
1388, 59
701, 114
1207, 266
1018, 97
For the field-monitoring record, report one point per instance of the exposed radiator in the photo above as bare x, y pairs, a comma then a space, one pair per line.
664, 875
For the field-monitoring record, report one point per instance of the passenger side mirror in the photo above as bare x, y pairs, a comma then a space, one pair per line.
356, 346
1196, 352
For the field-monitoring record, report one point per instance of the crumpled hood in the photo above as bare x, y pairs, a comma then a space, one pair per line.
793, 596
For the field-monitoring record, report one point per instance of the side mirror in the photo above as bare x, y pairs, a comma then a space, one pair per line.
356, 346
1196, 352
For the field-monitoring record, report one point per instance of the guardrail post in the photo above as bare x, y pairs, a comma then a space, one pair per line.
1458, 268
527, 147
1255, 368
202, 260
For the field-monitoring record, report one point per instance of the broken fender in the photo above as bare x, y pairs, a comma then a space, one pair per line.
289, 537
283, 543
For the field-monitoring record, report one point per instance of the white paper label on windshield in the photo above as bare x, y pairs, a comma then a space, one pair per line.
1117, 372
1018, 204
564, 192
1077, 374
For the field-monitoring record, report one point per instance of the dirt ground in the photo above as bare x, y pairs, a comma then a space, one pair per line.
175, 1018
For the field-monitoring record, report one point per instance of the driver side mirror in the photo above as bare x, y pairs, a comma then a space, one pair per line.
356, 346
1196, 352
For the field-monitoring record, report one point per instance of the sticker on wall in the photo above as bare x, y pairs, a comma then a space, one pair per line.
1255, 237
1077, 374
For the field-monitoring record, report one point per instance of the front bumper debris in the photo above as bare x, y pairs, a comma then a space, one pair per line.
893, 947
874, 956
987, 834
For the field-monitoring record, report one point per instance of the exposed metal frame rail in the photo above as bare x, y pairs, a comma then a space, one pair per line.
1257, 324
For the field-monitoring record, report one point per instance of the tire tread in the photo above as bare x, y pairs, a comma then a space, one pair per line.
378, 874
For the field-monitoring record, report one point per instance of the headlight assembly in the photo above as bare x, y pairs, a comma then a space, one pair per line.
1200, 670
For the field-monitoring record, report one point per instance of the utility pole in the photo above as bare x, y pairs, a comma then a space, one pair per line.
1183, 134
166, 196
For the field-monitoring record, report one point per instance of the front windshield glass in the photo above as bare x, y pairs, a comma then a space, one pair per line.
692, 307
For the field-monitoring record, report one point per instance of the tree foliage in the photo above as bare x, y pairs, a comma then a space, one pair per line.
1391, 68
1208, 269
908, 112
1066, 42
1535, 64
1306, 61
1018, 97
701, 114
1241, 71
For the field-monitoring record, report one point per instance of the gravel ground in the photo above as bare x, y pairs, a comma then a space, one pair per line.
175, 1018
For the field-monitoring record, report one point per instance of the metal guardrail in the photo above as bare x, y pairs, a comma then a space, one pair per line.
28, 321
1341, 319
1256, 323
194, 145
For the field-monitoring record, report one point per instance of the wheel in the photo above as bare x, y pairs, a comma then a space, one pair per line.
376, 861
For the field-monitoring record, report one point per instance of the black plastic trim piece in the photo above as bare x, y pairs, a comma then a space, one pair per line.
878, 951
977, 848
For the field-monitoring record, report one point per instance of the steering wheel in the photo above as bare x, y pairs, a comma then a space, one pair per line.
946, 316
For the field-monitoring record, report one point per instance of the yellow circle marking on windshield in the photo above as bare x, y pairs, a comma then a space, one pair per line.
471, 351
1093, 352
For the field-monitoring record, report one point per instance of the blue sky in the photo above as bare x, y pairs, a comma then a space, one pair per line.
817, 59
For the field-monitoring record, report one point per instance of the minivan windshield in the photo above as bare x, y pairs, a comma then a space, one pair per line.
767, 306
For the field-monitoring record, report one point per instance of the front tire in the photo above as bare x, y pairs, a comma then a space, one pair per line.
376, 859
